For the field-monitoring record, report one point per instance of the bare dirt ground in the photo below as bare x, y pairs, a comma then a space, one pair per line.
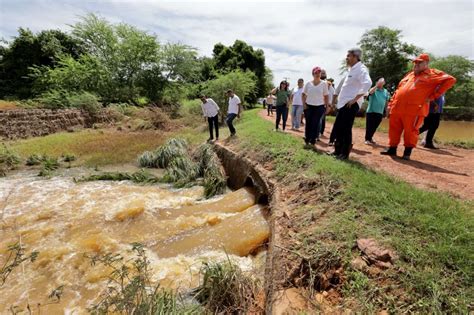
448, 169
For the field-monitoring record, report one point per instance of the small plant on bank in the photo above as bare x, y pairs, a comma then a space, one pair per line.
34, 159
131, 291
9, 160
49, 165
226, 289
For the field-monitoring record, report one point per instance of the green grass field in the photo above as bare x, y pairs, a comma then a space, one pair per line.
431, 233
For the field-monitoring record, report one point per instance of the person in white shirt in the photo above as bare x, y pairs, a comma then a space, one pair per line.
210, 110
322, 124
332, 137
270, 99
349, 100
297, 105
233, 111
315, 100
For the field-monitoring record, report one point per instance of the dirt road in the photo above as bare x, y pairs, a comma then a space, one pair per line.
448, 169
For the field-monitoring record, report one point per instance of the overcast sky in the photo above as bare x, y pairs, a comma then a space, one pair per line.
295, 35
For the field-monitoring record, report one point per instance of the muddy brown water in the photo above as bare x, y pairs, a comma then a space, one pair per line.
63, 220
448, 130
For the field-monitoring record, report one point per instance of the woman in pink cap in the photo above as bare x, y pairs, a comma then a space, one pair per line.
315, 100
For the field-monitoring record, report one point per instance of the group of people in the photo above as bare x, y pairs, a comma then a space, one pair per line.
419, 94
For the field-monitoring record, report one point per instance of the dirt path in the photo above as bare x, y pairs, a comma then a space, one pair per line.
448, 169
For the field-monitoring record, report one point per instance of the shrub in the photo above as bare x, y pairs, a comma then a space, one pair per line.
49, 164
181, 171
9, 160
85, 101
34, 159
225, 289
147, 159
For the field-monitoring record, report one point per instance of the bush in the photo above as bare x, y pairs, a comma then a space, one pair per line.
225, 289
9, 160
58, 99
49, 164
85, 101
34, 159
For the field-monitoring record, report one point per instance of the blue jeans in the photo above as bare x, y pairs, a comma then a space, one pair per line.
296, 112
230, 118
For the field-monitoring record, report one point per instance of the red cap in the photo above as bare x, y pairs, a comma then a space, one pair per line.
316, 69
422, 57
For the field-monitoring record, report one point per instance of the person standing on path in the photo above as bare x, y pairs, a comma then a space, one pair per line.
378, 98
282, 99
233, 111
355, 86
410, 103
329, 82
270, 99
332, 136
315, 100
431, 122
297, 105
210, 110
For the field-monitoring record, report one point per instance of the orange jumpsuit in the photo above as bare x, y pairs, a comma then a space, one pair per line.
410, 104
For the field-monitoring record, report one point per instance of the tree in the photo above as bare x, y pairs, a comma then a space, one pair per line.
242, 83
462, 69
242, 56
386, 55
27, 50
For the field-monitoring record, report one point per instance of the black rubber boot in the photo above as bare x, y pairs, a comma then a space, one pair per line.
392, 151
407, 153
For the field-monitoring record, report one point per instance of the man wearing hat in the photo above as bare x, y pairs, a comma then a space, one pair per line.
410, 103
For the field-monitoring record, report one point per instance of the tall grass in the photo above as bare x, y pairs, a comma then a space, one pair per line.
226, 289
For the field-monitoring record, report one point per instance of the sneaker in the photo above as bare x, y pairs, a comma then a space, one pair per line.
430, 146
367, 142
406, 157
233, 134
210, 139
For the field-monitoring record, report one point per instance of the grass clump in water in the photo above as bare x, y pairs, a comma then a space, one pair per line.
215, 182
131, 291
48, 166
226, 289
9, 160
141, 176
163, 156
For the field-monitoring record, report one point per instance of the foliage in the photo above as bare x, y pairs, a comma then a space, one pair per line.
215, 181
461, 94
48, 165
141, 176
242, 83
9, 160
130, 289
34, 159
27, 50
15, 257
241, 56
225, 289
386, 55
56, 99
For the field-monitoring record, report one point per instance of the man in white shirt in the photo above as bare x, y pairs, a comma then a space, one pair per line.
233, 110
349, 100
210, 110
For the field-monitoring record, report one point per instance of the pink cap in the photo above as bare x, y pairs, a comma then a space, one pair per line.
316, 69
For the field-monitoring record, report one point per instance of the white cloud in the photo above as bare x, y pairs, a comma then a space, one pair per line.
294, 35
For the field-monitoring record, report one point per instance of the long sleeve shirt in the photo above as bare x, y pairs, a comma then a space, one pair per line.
210, 108
415, 92
356, 82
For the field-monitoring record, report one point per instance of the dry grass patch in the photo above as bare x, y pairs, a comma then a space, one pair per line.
92, 147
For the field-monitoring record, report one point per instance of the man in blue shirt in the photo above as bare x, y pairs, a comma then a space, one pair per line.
378, 97
431, 122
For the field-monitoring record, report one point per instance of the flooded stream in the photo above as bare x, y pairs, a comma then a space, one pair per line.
63, 220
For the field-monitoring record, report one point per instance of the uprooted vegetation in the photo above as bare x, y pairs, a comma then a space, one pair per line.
184, 169
9, 160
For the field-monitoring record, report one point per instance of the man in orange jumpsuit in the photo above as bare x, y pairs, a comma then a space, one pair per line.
410, 103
